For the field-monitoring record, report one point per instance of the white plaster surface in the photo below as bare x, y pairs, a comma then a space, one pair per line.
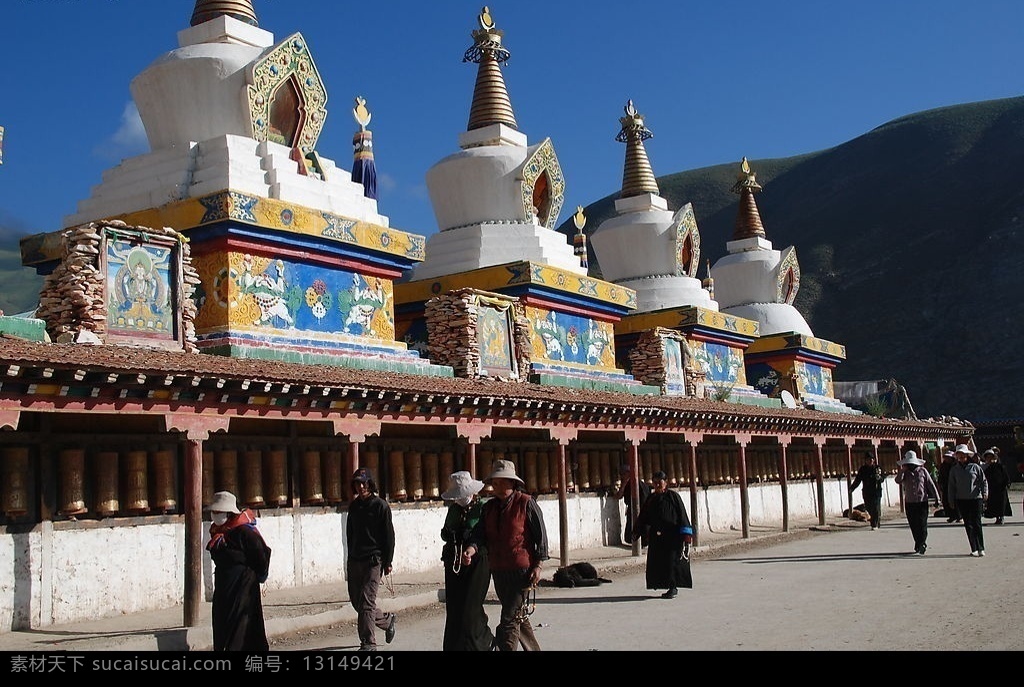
65, 575
484, 245
660, 293
746, 285
773, 318
478, 185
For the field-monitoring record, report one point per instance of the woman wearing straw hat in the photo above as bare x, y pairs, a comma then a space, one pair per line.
969, 488
512, 528
918, 490
465, 586
242, 561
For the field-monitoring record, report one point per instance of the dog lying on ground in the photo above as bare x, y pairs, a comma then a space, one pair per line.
578, 575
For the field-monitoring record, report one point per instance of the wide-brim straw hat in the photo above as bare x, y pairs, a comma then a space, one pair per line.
460, 485
910, 458
224, 502
962, 448
504, 469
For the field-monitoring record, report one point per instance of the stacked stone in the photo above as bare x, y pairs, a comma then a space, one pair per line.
522, 337
452, 321
647, 361
73, 302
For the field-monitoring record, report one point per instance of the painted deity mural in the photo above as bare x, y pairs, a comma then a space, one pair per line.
810, 378
675, 366
257, 292
721, 364
564, 338
494, 340
139, 297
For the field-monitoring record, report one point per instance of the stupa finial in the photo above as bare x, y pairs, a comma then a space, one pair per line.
579, 241
242, 10
364, 169
637, 176
490, 97
748, 219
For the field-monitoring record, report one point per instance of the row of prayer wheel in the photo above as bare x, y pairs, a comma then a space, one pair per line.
103, 483
672, 460
259, 476
537, 467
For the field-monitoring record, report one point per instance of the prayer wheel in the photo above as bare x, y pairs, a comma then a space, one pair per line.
226, 470
529, 473
163, 465
530, 457
334, 490
71, 469
583, 469
646, 462
596, 470
312, 485
371, 461
208, 478
105, 476
554, 465
275, 476
14, 481
136, 482
484, 461
431, 476
251, 469
445, 466
396, 476
414, 474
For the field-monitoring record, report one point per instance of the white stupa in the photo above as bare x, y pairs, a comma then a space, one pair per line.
647, 247
755, 281
230, 108
499, 197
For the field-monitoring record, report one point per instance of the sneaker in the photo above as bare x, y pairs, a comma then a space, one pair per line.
670, 594
389, 634
873, 529
975, 554
981, 552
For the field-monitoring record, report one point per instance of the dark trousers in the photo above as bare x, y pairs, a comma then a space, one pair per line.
873, 502
970, 511
917, 518
363, 583
511, 587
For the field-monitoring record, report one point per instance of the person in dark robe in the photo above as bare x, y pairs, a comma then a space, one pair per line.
998, 504
626, 492
948, 506
242, 562
670, 535
465, 586
872, 482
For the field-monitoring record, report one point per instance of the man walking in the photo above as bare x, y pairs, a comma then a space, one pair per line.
969, 489
870, 476
918, 489
512, 528
371, 549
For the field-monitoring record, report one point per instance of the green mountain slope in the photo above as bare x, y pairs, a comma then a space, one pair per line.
909, 239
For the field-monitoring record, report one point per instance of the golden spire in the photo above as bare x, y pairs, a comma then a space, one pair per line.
637, 177
490, 97
748, 219
241, 10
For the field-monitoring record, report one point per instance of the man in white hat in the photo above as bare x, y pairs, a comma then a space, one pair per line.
918, 490
512, 528
968, 487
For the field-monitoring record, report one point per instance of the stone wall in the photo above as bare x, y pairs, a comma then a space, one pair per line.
647, 362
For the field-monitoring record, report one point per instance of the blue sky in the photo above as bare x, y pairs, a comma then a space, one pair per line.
716, 81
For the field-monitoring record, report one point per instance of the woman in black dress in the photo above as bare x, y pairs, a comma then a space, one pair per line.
998, 504
669, 537
242, 561
465, 585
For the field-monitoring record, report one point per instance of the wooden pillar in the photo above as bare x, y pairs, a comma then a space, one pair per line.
563, 506
849, 477
742, 441
784, 482
693, 440
634, 493
820, 468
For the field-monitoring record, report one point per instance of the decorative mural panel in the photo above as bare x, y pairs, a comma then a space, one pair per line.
544, 161
721, 364
139, 292
815, 379
561, 337
766, 377
674, 361
788, 276
254, 292
288, 65
687, 242
494, 340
